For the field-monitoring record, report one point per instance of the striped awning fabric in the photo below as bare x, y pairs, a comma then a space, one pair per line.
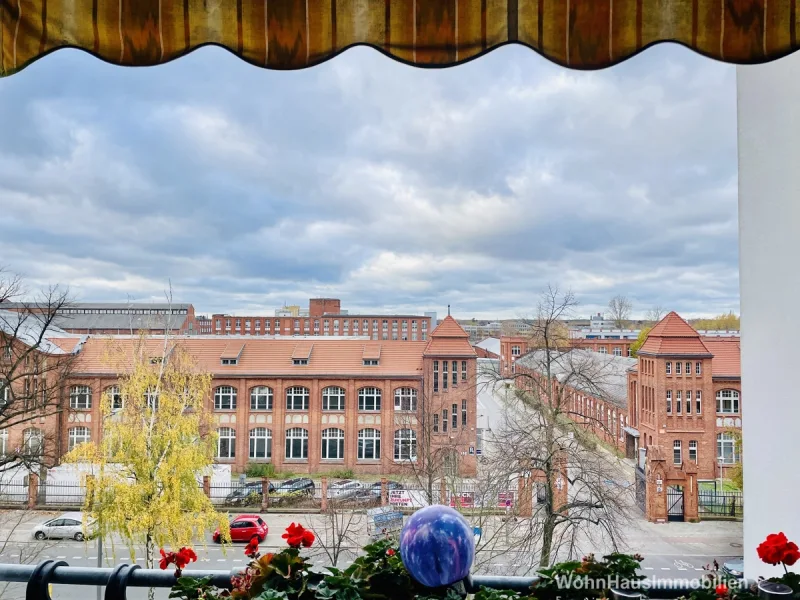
293, 34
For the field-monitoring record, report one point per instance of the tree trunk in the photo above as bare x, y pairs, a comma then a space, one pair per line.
548, 530
148, 562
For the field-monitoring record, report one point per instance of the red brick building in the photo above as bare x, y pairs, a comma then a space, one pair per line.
308, 404
685, 395
325, 318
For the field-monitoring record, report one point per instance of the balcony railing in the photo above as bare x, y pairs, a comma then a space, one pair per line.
38, 577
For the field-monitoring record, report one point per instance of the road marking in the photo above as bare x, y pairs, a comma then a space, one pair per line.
220, 560
237, 560
665, 568
682, 569
76, 557
648, 568
61, 557
698, 569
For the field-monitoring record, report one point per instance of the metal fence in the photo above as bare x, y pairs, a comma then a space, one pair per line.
720, 504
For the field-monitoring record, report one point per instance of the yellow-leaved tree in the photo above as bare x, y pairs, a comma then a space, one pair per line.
635, 346
144, 472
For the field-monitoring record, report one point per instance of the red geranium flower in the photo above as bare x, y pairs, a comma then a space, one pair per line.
721, 589
184, 556
251, 549
167, 558
390, 552
296, 535
777, 549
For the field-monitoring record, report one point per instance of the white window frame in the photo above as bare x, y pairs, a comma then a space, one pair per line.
333, 398
677, 452
261, 398
698, 369
405, 445
260, 436
225, 397
678, 367
292, 435
115, 399
297, 398
369, 393
693, 450
77, 435
669, 402
698, 400
80, 397
669, 368
28, 436
369, 438
725, 439
226, 439
332, 444
3, 441
733, 398
405, 399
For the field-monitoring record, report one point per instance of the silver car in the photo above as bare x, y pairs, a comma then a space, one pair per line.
66, 526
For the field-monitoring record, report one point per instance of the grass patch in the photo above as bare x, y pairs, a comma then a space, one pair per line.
342, 474
266, 470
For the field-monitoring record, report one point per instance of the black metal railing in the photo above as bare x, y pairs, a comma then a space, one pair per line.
118, 579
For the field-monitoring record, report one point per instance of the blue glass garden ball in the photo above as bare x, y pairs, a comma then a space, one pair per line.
437, 546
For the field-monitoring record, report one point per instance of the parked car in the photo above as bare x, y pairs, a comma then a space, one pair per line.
66, 526
734, 567
346, 488
249, 493
293, 490
375, 488
244, 528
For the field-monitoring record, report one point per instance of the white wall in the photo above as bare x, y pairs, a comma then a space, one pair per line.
769, 235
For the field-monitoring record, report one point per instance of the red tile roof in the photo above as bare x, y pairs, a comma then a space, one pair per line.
727, 356
449, 339
674, 337
266, 357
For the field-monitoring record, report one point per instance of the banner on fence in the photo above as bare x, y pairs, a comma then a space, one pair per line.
407, 498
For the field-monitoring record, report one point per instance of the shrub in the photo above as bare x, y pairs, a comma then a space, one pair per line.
260, 470
342, 474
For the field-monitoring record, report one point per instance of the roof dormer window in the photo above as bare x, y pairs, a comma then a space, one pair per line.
371, 362
300, 361
230, 361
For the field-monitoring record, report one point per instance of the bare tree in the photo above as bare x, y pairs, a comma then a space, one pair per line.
339, 531
543, 440
655, 314
620, 308
34, 371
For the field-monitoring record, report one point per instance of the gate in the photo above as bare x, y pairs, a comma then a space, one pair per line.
641, 489
674, 503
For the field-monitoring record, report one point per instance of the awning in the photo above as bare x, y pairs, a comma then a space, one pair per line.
294, 34
631, 431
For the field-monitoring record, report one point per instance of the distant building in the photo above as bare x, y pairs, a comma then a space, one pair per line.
325, 317
119, 318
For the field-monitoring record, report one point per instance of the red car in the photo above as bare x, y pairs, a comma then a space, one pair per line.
244, 528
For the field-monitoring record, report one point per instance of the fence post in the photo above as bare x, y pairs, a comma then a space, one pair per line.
384, 491
324, 491
33, 490
207, 486
264, 494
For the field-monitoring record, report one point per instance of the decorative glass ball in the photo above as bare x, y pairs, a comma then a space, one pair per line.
437, 546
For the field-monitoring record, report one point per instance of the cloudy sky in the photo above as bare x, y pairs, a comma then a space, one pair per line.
390, 187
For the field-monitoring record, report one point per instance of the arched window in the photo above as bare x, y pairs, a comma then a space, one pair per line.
297, 443
80, 397
114, 397
260, 443
727, 452
261, 398
78, 435
405, 444
333, 398
32, 442
728, 401
226, 443
297, 398
369, 399
225, 398
405, 398
333, 444
369, 444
